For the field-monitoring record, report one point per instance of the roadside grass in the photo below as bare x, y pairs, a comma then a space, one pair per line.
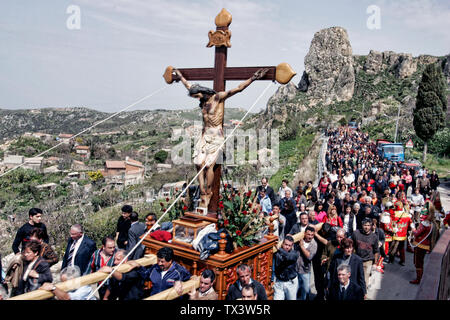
433, 162
292, 152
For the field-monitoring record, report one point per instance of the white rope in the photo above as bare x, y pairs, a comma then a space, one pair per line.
179, 196
88, 129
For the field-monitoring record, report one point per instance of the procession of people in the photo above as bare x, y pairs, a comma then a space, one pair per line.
362, 215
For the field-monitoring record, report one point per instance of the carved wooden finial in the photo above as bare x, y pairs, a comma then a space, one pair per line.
168, 75
221, 37
223, 19
271, 226
284, 73
222, 243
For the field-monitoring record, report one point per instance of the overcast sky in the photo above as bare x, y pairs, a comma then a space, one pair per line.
122, 48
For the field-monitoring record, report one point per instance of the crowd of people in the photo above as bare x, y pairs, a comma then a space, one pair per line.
363, 214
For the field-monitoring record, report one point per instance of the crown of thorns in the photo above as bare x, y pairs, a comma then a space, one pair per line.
196, 88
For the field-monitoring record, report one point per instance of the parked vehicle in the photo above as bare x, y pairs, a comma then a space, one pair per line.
392, 151
380, 143
415, 165
353, 124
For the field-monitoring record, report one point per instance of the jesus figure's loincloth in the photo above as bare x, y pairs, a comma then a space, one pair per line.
206, 149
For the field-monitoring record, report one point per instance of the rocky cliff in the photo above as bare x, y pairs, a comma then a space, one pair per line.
329, 71
336, 83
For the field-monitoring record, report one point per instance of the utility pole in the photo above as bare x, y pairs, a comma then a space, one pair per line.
362, 115
396, 125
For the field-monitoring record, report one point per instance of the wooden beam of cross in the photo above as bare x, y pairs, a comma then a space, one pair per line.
220, 38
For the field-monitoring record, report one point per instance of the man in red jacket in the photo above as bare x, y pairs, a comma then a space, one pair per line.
401, 221
422, 240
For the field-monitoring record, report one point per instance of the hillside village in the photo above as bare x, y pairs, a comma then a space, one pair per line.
97, 163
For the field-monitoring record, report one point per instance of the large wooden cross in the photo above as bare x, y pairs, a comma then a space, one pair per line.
282, 73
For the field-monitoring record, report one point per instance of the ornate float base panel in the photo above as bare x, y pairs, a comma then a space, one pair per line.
259, 257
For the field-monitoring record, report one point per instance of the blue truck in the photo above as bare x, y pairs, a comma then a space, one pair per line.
353, 124
392, 151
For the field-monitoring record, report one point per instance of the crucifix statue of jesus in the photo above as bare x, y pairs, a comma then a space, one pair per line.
212, 102
210, 144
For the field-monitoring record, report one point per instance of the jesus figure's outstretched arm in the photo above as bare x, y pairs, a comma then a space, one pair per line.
183, 80
257, 75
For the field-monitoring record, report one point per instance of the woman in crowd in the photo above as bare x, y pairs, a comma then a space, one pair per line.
46, 251
320, 213
342, 192
323, 185
407, 179
348, 221
352, 188
36, 270
332, 217
301, 209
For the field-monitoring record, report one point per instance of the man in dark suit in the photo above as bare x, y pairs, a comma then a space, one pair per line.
380, 186
79, 249
136, 230
268, 189
288, 210
346, 256
345, 289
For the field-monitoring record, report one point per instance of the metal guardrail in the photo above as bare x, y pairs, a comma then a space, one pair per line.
321, 166
435, 284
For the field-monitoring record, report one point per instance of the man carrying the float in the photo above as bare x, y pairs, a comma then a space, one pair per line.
401, 222
209, 145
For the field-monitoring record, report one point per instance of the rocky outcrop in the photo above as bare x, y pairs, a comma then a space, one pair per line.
304, 82
374, 62
401, 64
426, 59
406, 66
329, 67
284, 93
276, 106
331, 70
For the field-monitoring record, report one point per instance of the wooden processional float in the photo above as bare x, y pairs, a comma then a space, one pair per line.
259, 256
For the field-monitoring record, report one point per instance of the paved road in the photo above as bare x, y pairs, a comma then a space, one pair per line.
393, 284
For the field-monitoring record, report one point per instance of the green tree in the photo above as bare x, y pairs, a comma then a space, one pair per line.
343, 121
431, 105
161, 156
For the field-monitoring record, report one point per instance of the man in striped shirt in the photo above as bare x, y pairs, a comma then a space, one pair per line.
103, 257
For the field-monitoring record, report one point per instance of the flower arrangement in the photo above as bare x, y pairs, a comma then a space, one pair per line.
240, 216
176, 211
